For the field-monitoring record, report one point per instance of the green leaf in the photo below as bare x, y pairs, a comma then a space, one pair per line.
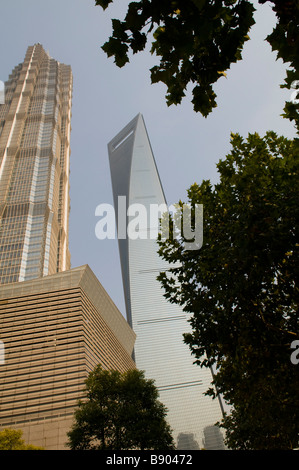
103, 3
119, 50
119, 30
138, 42
203, 100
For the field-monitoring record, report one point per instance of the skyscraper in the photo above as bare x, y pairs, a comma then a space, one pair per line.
159, 326
35, 125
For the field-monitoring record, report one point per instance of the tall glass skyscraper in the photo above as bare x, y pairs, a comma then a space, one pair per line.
35, 125
159, 325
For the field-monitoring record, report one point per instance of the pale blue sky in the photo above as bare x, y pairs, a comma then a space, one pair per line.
105, 98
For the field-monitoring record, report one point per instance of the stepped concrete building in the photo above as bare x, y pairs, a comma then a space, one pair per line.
55, 330
159, 325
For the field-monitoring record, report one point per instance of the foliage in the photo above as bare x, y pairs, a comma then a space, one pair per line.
121, 412
241, 288
285, 41
11, 439
198, 40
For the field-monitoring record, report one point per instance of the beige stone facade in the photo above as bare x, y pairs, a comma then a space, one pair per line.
55, 330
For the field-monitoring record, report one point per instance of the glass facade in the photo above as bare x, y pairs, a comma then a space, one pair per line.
159, 326
34, 168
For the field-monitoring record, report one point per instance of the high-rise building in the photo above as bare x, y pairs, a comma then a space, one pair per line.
35, 125
159, 325
55, 331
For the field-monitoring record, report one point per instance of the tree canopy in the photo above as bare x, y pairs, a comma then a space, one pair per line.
198, 40
241, 288
11, 439
121, 412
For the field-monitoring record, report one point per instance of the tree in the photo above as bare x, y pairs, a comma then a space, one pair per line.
121, 412
11, 439
198, 40
241, 288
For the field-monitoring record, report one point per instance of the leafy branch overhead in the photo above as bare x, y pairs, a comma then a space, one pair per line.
196, 40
